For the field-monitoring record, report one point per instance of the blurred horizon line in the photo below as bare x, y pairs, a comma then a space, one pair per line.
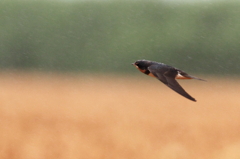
167, 1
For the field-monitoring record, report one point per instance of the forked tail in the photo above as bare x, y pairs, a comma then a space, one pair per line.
183, 75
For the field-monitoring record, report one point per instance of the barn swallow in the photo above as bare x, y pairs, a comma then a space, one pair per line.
166, 74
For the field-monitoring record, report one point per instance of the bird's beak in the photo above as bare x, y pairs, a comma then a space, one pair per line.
133, 63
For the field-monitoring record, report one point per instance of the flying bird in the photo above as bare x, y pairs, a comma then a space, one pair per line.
166, 74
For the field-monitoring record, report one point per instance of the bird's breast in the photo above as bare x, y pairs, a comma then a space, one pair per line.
147, 72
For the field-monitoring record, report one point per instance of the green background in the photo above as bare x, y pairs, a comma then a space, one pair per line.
108, 36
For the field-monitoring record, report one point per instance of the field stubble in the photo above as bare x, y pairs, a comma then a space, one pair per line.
113, 117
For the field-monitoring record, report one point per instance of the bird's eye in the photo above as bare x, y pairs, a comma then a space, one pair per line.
136, 63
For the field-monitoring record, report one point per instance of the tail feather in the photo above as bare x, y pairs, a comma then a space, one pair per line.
193, 77
187, 76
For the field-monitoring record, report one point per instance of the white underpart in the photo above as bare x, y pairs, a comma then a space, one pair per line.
179, 75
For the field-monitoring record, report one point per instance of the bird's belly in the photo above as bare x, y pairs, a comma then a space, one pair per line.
181, 77
150, 74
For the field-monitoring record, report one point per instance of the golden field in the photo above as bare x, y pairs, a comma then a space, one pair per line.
64, 116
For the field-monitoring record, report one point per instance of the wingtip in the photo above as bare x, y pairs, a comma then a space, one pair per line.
193, 99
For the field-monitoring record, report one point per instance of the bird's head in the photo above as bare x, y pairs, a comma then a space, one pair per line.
142, 64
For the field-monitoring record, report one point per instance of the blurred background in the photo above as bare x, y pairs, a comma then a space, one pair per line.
91, 35
68, 89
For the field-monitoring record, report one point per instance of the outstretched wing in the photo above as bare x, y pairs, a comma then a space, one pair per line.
167, 76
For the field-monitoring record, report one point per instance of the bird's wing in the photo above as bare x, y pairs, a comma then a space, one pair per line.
167, 76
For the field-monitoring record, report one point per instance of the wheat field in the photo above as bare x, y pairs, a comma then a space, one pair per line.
92, 116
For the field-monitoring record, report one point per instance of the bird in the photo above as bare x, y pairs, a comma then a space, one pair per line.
166, 74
